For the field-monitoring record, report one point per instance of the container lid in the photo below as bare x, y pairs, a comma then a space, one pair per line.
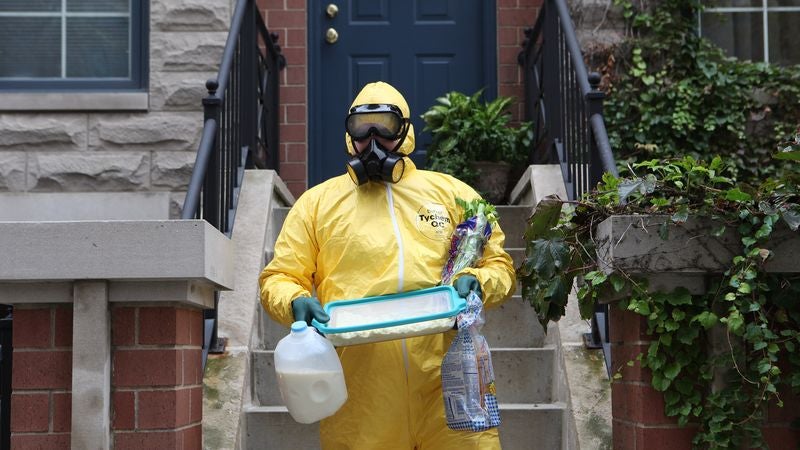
299, 326
391, 310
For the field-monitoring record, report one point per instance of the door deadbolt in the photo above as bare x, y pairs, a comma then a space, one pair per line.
332, 10
331, 36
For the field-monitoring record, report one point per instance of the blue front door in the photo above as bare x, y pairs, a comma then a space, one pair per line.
424, 48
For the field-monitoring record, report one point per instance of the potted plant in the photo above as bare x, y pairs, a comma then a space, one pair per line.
474, 141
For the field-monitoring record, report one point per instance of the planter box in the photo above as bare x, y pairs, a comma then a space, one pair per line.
687, 258
689, 255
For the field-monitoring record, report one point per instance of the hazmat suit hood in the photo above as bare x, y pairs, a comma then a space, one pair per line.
380, 92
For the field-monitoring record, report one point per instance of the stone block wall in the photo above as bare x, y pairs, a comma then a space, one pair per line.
42, 377
108, 151
154, 150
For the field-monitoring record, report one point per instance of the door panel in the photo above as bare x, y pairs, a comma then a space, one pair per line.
424, 48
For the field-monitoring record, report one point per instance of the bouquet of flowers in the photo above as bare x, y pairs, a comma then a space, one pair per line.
468, 386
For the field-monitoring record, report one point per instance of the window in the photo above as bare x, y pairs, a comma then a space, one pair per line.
757, 30
62, 45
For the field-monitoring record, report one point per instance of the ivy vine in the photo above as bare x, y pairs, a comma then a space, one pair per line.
673, 93
754, 314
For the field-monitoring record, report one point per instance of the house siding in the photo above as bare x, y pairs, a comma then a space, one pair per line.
154, 150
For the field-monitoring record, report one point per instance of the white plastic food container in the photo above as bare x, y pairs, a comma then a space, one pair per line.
387, 317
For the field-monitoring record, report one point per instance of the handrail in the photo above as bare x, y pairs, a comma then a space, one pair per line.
572, 45
240, 130
565, 104
204, 151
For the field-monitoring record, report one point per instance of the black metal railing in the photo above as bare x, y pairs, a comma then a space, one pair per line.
240, 130
6, 353
565, 104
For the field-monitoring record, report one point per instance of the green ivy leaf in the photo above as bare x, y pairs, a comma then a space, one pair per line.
707, 319
660, 382
548, 255
679, 297
737, 195
681, 215
735, 321
544, 217
672, 371
617, 282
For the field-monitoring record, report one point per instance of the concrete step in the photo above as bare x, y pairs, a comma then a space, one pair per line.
514, 324
523, 427
531, 426
514, 220
522, 375
272, 428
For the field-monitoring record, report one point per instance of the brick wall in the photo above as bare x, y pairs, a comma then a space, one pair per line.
513, 16
42, 377
638, 409
157, 392
288, 18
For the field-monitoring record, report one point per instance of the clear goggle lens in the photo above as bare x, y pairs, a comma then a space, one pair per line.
385, 121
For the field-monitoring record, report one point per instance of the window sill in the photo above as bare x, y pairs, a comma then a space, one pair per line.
74, 101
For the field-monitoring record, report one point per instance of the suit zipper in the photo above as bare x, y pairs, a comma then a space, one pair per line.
400, 282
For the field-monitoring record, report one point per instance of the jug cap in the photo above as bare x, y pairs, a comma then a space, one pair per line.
299, 326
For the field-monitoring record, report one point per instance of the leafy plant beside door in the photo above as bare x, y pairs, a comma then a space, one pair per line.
472, 137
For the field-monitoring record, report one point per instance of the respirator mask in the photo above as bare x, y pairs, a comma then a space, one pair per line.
375, 162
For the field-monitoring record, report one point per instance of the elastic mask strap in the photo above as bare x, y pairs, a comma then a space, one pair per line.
402, 139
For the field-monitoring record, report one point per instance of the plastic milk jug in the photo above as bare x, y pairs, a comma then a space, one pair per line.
310, 376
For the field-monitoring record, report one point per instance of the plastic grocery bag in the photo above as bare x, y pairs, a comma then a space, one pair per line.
470, 400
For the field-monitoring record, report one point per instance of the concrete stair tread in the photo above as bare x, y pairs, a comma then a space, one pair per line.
503, 407
522, 374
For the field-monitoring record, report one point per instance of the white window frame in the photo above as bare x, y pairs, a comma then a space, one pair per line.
764, 9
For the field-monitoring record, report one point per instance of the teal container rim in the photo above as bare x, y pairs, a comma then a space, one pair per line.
457, 304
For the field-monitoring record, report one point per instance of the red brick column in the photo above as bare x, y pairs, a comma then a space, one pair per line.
288, 19
778, 431
42, 377
638, 409
513, 16
156, 382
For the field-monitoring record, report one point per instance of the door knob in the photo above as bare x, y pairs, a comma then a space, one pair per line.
331, 36
332, 10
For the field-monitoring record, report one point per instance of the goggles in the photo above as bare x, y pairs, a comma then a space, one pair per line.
382, 120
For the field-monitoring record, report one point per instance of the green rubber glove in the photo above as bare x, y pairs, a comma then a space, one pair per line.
466, 283
307, 308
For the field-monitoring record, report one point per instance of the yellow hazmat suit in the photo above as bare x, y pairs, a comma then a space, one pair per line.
351, 242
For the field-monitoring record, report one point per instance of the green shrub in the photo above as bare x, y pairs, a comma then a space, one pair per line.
673, 94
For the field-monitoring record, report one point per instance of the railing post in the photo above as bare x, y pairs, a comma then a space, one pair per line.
248, 103
212, 109
271, 105
551, 61
599, 337
594, 105
211, 185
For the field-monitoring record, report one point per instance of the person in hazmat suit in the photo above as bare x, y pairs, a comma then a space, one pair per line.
383, 229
